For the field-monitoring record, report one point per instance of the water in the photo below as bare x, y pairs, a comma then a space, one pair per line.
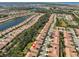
12, 22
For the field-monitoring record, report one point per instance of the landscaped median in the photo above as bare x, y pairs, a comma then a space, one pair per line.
35, 48
11, 35
26, 38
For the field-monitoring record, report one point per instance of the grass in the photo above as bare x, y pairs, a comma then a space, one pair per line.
1, 36
61, 23
27, 47
61, 44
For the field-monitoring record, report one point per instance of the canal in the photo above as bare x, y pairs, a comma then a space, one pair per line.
12, 22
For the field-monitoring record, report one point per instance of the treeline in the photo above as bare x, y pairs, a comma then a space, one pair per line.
41, 10
61, 12
1, 16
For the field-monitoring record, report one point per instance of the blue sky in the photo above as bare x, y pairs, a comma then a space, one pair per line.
70, 2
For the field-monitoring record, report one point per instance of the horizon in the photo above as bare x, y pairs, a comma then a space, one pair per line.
73, 3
